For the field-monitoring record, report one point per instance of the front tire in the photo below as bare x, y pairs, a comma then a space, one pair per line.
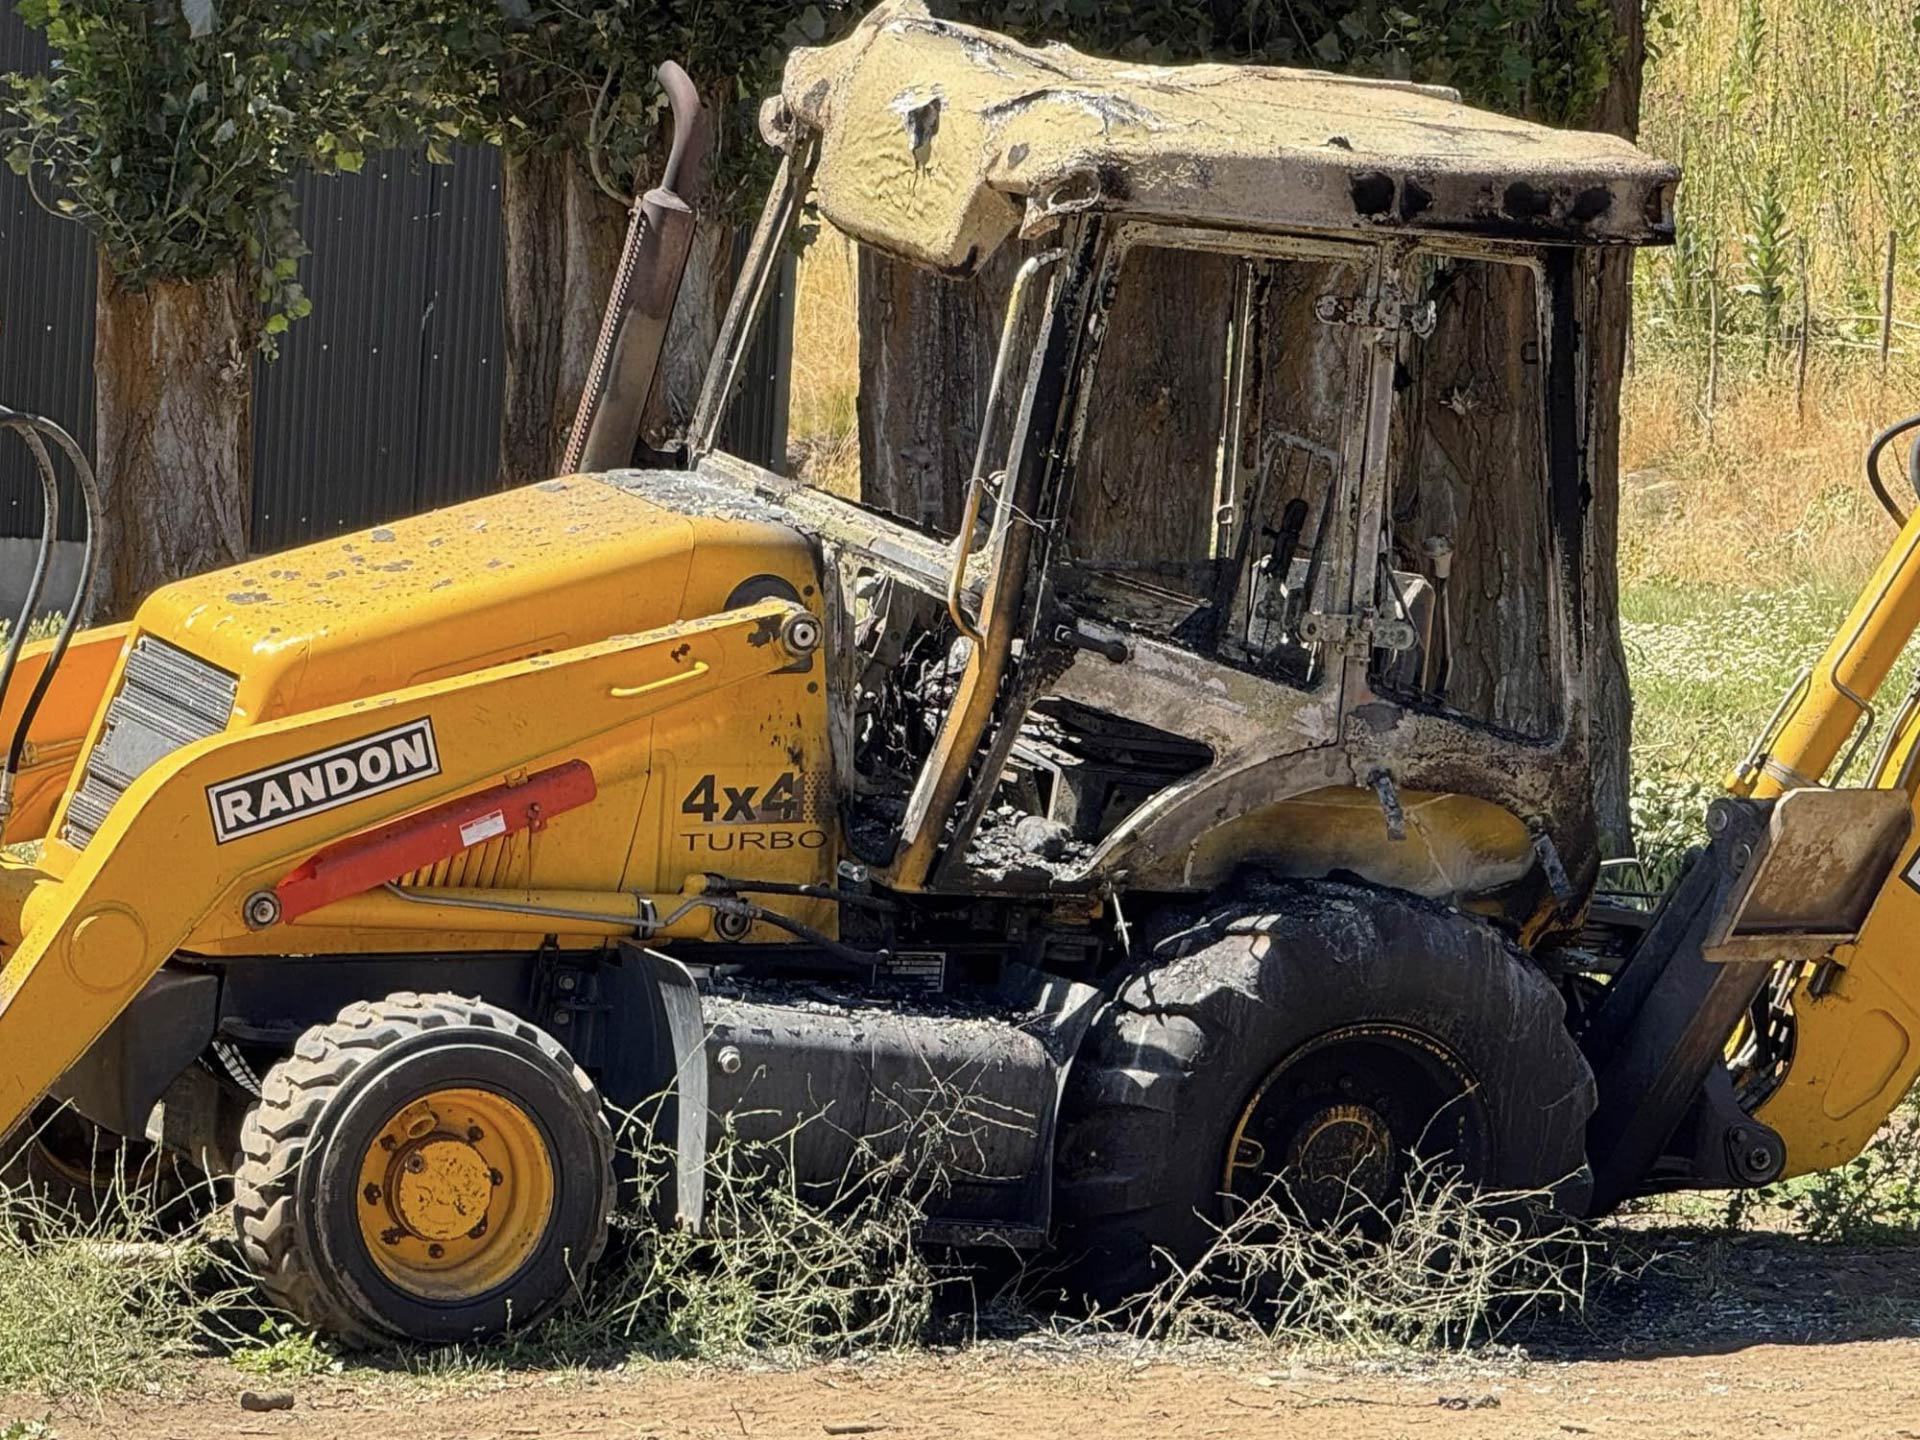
424, 1168
1312, 1046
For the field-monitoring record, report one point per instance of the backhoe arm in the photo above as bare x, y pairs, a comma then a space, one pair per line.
159, 864
1856, 1047
1828, 704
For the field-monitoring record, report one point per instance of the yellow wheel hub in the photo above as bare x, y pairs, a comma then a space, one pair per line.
455, 1192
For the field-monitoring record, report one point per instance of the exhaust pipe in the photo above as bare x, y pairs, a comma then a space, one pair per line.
633, 332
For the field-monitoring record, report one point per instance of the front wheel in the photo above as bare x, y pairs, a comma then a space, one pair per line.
424, 1168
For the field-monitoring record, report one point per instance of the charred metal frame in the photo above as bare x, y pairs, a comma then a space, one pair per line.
1272, 740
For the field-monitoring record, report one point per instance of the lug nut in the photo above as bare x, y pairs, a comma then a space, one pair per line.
416, 1164
434, 1252
475, 1134
372, 1193
391, 1237
478, 1230
496, 1178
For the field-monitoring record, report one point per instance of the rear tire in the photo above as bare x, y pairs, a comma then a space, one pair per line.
1335, 1024
424, 1168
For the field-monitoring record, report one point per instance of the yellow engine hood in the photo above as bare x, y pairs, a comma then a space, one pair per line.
557, 564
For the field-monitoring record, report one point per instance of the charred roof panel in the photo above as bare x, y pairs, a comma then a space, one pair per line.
939, 141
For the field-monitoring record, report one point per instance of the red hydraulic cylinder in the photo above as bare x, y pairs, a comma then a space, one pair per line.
415, 842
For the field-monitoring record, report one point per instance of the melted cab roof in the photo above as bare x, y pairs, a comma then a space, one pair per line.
938, 141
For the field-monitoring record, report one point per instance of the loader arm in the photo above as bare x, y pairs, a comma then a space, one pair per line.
156, 867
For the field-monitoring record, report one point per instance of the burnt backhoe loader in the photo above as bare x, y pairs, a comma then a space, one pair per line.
375, 876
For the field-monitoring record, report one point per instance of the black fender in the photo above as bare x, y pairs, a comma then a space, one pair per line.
163, 1030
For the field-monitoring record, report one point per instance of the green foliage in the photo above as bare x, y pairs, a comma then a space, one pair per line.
101, 1303
1871, 1197
1764, 255
1669, 815
1874, 1197
547, 75
1549, 58
1794, 122
553, 75
1749, 53
172, 130
284, 1349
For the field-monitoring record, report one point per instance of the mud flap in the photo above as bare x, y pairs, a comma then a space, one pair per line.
661, 1085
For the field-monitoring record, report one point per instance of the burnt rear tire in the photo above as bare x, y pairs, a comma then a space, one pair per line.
424, 1168
1340, 1018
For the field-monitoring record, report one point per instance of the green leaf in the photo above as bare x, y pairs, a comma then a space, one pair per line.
277, 324
350, 161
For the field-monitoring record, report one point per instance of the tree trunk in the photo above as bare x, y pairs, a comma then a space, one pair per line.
173, 434
1606, 319
927, 347
563, 236
702, 303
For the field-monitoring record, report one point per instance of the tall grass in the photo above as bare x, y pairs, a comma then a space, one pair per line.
1798, 125
110, 1294
823, 416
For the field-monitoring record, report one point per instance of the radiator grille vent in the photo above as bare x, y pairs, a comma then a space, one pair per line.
167, 699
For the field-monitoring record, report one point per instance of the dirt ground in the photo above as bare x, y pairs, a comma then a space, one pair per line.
1762, 1336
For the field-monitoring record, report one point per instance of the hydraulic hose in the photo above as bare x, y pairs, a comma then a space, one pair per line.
31, 428
1880, 442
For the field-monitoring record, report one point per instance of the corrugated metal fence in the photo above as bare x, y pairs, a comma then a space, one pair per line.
384, 401
46, 314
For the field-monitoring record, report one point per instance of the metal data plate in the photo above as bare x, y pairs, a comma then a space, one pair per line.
1826, 856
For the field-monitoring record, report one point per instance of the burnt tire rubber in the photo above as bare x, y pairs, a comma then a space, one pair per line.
324, 1110
1189, 1046
76, 1173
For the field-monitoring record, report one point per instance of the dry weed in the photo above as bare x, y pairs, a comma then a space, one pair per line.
1441, 1266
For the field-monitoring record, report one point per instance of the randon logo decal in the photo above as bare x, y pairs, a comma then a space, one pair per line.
295, 789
